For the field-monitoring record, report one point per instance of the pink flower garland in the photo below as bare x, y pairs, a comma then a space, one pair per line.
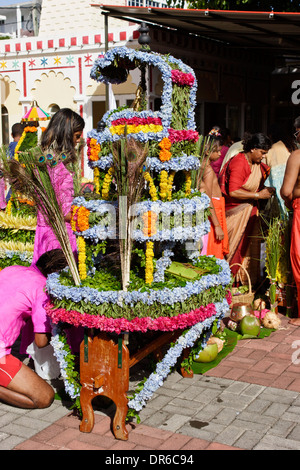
182, 78
117, 325
183, 134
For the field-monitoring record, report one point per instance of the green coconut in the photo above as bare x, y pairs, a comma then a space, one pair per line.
208, 354
249, 325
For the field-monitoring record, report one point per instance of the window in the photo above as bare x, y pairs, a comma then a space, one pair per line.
53, 108
5, 125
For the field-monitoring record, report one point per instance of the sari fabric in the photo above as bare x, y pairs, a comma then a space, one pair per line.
295, 247
242, 216
218, 248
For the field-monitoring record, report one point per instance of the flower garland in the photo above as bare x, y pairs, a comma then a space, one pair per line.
188, 183
163, 297
182, 78
163, 184
184, 162
165, 154
65, 359
162, 264
149, 262
164, 367
195, 206
96, 180
166, 65
81, 258
149, 219
170, 185
186, 340
135, 125
183, 134
79, 218
93, 149
152, 187
138, 324
106, 183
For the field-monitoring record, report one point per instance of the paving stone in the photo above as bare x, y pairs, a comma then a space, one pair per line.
295, 433
279, 443
282, 428
276, 409
229, 435
10, 442
249, 439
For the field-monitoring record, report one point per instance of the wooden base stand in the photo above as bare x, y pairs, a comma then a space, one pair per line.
104, 370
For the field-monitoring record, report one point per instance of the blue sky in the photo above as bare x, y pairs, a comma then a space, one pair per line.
5, 3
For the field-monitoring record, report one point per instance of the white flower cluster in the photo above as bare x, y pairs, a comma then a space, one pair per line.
164, 367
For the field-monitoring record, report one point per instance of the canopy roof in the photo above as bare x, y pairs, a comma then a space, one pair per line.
274, 32
35, 113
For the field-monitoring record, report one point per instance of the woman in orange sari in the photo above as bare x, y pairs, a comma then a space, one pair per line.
242, 183
216, 242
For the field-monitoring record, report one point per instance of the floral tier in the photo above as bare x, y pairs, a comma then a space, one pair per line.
166, 222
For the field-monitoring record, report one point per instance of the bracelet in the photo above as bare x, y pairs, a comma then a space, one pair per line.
256, 195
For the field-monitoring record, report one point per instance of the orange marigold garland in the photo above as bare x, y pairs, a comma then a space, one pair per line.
80, 219
165, 154
149, 219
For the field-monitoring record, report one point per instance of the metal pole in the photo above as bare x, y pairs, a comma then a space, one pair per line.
106, 49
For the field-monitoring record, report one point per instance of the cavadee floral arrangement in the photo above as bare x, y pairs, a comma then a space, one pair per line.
140, 232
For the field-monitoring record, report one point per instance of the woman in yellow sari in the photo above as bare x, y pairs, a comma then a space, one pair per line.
242, 183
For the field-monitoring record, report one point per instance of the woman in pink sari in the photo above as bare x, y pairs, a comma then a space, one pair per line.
61, 136
242, 183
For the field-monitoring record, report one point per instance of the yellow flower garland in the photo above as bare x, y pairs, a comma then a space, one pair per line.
81, 258
152, 188
106, 183
188, 183
149, 262
163, 184
8, 207
96, 180
133, 129
170, 185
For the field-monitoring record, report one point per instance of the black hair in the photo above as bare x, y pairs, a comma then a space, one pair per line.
297, 122
256, 141
60, 132
51, 261
17, 129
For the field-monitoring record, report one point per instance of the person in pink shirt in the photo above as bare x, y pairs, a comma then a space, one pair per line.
61, 137
23, 296
2, 193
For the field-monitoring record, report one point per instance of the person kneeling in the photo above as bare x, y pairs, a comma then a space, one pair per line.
23, 296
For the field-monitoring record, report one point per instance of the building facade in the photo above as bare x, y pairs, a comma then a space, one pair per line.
236, 88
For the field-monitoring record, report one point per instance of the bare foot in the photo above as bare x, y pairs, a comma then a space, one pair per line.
295, 321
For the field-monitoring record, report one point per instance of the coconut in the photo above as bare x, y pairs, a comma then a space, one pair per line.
259, 304
218, 341
271, 320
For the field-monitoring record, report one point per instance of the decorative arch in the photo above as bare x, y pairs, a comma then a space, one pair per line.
53, 88
10, 98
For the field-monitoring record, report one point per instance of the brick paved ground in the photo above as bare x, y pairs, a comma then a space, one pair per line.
251, 400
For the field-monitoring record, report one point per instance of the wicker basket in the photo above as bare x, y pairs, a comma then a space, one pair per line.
246, 298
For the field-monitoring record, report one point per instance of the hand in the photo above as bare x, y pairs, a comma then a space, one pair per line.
219, 233
266, 193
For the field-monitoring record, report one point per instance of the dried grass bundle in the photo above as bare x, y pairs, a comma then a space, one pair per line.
30, 176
